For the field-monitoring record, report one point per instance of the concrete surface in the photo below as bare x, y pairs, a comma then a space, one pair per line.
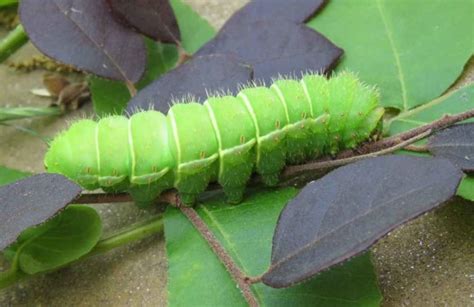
427, 262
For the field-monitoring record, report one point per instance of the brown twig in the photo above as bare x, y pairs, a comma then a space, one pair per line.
439, 124
297, 169
131, 88
416, 148
183, 56
239, 277
102, 198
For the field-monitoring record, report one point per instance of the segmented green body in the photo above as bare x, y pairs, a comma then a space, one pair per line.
224, 140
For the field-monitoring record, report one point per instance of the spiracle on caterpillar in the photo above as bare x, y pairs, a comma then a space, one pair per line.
225, 139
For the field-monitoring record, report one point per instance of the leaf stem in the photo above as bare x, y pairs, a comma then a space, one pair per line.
416, 148
11, 276
7, 114
439, 124
295, 170
131, 88
134, 233
12, 42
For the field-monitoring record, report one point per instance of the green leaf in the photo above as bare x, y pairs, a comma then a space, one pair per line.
65, 238
111, 97
8, 175
7, 2
195, 31
197, 278
454, 102
466, 188
412, 49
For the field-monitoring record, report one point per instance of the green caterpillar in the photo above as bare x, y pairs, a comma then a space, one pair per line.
224, 140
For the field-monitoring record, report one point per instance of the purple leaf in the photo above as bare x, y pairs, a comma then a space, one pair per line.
195, 78
348, 210
455, 144
84, 34
32, 201
276, 48
296, 11
154, 18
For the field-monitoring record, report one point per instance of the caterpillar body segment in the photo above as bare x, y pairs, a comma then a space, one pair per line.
225, 139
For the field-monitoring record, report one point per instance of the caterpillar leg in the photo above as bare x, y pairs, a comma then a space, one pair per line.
145, 195
192, 180
271, 161
271, 180
234, 195
236, 169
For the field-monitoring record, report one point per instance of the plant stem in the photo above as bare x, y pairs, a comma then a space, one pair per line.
295, 170
7, 114
133, 233
12, 42
439, 124
10, 277
417, 148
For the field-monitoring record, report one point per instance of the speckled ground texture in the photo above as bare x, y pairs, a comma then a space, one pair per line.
427, 262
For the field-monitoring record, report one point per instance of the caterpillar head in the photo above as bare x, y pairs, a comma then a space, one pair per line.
69, 154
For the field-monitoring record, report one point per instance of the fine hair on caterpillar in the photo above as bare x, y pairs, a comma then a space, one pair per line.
225, 139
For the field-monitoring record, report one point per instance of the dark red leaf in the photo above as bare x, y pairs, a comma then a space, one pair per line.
276, 48
32, 201
455, 144
84, 34
348, 210
296, 11
196, 78
154, 18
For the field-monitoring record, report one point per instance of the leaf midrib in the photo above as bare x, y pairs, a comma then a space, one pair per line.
396, 55
230, 246
111, 59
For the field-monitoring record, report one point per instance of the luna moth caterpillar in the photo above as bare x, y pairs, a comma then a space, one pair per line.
225, 139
